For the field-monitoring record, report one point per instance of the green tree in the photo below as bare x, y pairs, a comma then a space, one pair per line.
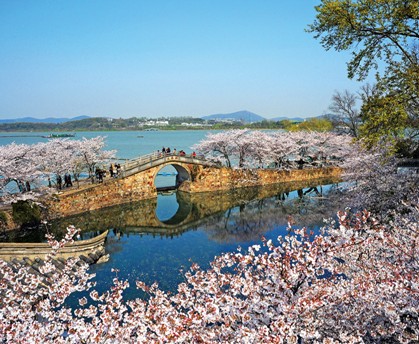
385, 119
374, 30
311, 124
382, 35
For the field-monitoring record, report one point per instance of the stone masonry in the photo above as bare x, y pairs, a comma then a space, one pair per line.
140, 186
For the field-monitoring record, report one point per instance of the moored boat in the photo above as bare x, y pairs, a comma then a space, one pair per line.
58, 136
94, 246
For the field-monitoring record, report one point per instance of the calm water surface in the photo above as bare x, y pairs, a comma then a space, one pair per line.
154, 240
129, 144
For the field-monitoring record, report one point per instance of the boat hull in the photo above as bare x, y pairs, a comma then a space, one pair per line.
10, 251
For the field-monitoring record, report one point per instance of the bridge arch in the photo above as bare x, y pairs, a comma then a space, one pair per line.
182, 172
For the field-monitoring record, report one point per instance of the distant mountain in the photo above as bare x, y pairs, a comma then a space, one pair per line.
295, 119
244, 116
42, 120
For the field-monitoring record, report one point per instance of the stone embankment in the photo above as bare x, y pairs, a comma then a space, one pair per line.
140, 186
216, 179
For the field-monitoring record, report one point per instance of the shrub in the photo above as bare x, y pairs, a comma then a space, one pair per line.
26, 213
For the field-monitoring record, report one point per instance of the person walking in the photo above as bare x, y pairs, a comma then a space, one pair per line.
59, 182
68, 180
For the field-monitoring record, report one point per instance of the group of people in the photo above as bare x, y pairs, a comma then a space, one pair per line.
23, 186
167, 151
59, 181
114, 171
99, 173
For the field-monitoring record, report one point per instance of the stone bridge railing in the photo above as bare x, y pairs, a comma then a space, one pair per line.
148, 161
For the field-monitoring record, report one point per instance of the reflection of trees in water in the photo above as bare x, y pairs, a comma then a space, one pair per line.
251, 220
237, 215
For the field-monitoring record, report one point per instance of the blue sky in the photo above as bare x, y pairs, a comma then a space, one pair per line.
164, 58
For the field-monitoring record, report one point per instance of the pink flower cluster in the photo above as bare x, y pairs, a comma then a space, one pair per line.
21, 163
358, 280
246, 148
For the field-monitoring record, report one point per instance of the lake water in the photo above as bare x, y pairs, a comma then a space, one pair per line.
153, 240
128, 144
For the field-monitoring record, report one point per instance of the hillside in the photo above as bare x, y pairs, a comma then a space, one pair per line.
238, 119
243, 116
41, 120
293, 119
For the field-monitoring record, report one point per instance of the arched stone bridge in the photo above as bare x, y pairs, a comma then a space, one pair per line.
194, 174
135, 182
185, 165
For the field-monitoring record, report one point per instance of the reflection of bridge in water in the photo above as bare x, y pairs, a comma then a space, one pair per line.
193, 210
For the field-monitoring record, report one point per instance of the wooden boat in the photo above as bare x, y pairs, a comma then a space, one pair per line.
89, 249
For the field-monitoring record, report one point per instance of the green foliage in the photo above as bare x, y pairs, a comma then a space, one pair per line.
265, 124
3, 219
26, 213
287, 124
385, 34
390, 112
24, 126
383, 117
312, 124
373, 29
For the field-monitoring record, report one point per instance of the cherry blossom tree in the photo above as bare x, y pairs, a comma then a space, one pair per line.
216, 147
23, 164
91, 153
225, 146
19, 165
241, 141
375, 181
281, 146
57, 155
357, 281
259, 149
255, 148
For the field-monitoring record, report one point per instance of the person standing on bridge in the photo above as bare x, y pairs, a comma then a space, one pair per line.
163, 150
